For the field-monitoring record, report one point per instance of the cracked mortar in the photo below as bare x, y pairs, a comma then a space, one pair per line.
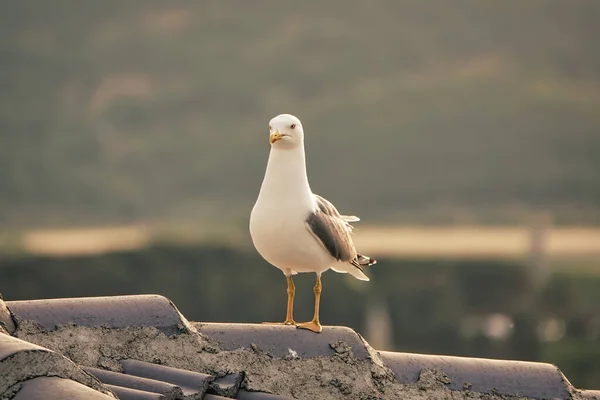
340, 376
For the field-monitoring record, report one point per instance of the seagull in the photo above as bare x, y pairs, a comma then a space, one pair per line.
296, 230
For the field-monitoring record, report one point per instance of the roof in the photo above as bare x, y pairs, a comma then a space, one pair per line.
142, 347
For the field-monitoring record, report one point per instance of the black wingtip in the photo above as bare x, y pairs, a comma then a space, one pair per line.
365, 260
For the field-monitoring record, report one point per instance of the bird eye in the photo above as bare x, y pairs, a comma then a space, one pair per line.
270, 127
293, 126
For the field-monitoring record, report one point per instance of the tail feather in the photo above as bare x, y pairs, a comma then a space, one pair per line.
350, 218
359, 274
358, 263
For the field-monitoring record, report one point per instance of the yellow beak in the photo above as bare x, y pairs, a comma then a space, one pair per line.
275, 136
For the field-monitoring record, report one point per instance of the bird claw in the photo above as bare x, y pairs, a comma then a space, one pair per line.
314, 326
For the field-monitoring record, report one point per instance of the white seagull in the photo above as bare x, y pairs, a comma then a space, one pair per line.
294, 229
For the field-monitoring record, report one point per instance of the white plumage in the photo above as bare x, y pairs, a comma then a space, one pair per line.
294, 229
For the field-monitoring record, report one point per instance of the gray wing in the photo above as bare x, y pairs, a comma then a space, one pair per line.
332, 229
326, 207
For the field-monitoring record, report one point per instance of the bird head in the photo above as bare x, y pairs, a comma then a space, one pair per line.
285, 131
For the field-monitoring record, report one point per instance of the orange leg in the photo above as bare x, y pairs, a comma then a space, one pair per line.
315, 325
289, 318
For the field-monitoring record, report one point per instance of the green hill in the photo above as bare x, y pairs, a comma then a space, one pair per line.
117, 111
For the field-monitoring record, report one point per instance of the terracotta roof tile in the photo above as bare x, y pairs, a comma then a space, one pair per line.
227, 385
531, 379
217, 397
21, 361
53, 388
589, 395
143, 380
114, 312
125, 393
282, 341
168, 390
191, 383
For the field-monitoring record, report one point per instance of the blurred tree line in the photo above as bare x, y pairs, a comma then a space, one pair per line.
115, 111
479, 308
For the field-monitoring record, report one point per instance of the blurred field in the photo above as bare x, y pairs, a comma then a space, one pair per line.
60, 242
400, 241
473, 241
464, 113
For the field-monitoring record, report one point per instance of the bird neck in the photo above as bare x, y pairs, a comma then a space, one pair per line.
286, 172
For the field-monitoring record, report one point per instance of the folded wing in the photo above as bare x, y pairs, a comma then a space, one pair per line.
333, 231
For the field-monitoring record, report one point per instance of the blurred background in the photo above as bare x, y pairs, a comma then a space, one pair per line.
466, 135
